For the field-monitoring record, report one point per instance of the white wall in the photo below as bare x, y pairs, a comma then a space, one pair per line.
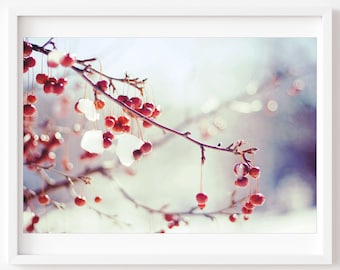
335, 4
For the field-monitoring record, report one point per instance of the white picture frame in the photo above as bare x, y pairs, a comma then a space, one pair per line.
178, 249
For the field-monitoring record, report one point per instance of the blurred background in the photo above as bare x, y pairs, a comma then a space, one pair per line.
261, 90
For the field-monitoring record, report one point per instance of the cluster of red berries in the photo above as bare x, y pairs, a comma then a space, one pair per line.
29, 61
143, 150
173, 220
51, 84
81, 200
255, 199
241, 170
31, 226
148, 109
118, 124
38, 149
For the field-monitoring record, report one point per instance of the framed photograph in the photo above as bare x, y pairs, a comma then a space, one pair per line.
181, 135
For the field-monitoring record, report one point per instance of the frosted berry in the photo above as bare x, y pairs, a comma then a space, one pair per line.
254, 172
44, 199
80, 200
257, 199
107, 142
146, 147
241, 181
29, 109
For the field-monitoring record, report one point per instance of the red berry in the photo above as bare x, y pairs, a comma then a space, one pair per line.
26, 68
29, 62
137, 154
241, 182
53, 79
107, 142
103, 85
156, 113
58, 88
41, 78
43, 199
109, 135
35, 219
254, 172
257, 199
241, 169
146, 124
64, 81
233, 217
98, 199
67, 60
246, 211
49, 86
29, 109
149, 105
99, 104
249, 205
27, 49
126, 129
80, 201
109, 121
146, 111
123, 120
168, 217
136, 102
31, 98
30, 228
201, 199
245, 217
122, 98
146, 147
